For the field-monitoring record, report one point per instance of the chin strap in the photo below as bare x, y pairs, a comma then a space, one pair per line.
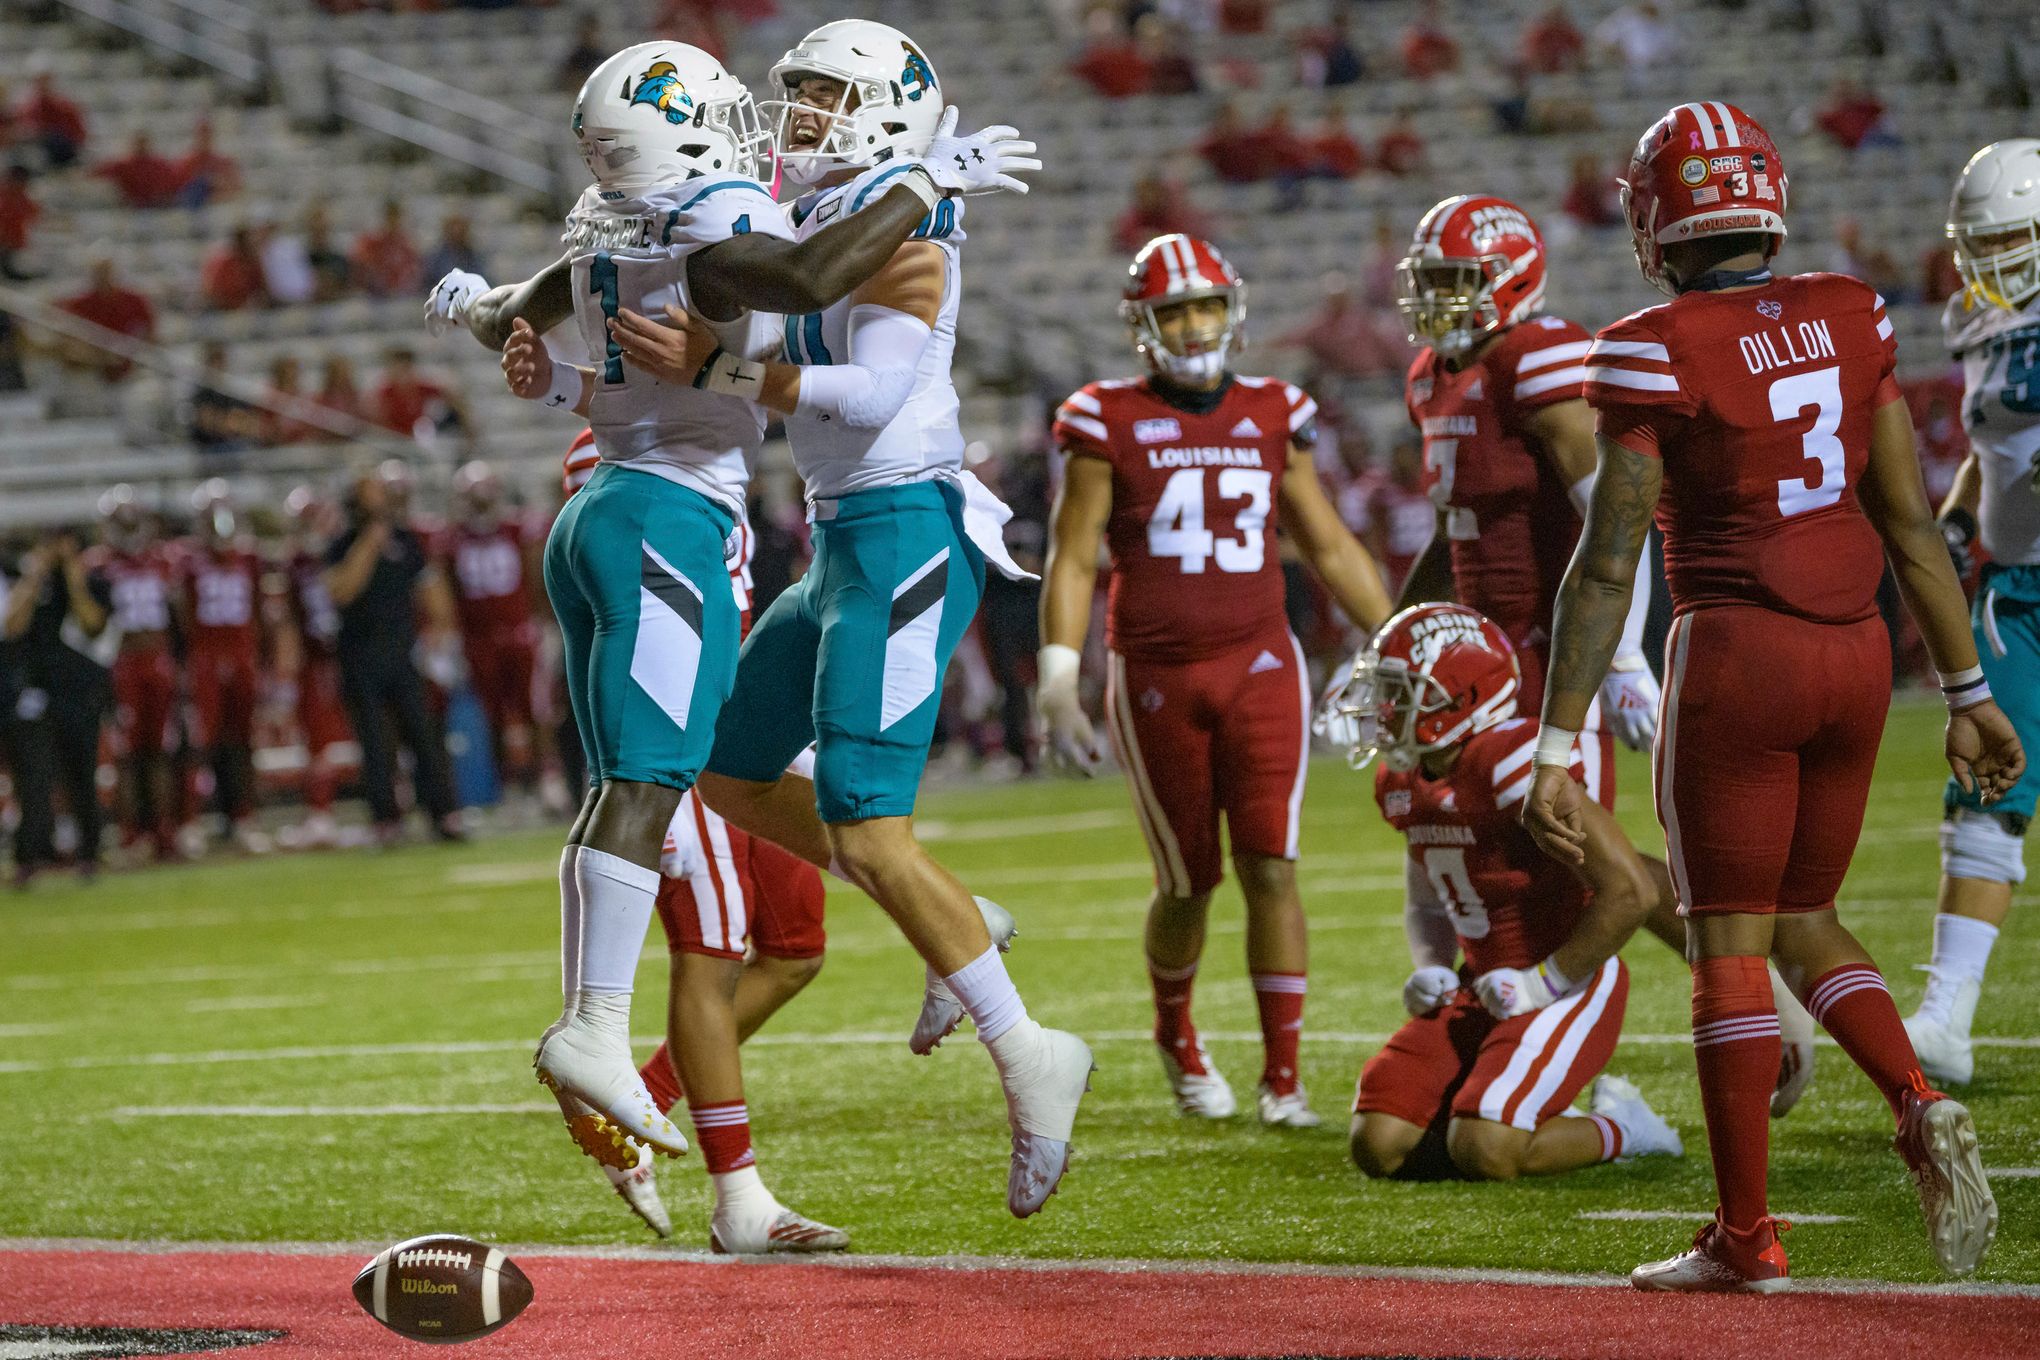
1715, 280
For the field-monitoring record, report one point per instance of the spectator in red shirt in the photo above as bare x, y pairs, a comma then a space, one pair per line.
18, 213
1590, 199
332, 275
386, 263
1170, 69
1335, 153
1243, 17
1853, 117
1236, 153
144, 179
1110, 63
1287, 156
1401, 151
107, 303
1346, 338
1939, 278
51, 122
1553, 43
282, 421
404, 396
1427, 49
1327, 57
1159, 207
337, 390
231, 277
208, 175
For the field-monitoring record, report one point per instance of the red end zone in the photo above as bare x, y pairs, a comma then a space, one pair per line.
716, 1310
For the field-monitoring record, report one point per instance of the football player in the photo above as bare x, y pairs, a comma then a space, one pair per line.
321, 711
143, 575
1488, 1066
1991, 327
1496, 392
634, 564
1186, 475
1758, 418
492, 561
851, 659
220, 612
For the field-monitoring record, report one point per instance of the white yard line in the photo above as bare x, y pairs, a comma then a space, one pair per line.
206, 1005
323, 1111
1684, 1216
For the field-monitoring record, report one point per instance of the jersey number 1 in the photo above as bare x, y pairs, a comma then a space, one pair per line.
1176, 529
1790, 397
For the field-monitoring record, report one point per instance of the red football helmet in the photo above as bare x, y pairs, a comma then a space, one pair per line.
580, 463
1432, 677
1705, 169
1475, 266
126, 523
477, 490
1181, 268
212, 510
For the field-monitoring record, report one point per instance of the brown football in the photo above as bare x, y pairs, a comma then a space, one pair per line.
442, 1288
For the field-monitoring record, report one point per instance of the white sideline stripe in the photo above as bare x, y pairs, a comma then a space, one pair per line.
320, 1111
1033, 1265
28, 1031
264, 913
852, 1039
1682, 1216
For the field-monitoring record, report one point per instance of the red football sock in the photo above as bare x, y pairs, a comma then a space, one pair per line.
1853, 1004
1174, 1030
723, 1133
1280, 999
1611, 1136
662, 1079
1736, 1046
322, 781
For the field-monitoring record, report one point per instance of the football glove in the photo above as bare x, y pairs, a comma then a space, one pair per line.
1066, 729
1629, 702
984, 162
1429, 988
1958, 531
1335, 728
1515, 991
446, 305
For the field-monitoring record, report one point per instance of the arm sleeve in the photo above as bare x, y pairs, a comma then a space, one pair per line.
1887, 339
867, 392
1427, 923
1080, 425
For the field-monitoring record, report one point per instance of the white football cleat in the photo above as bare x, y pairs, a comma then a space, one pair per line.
1795, 1057
1939, 1029
1291, 1111
1937, 1138
590, 1061
778, 1230
1718, 1264
1205, 1094
1042, 1094
941, 1012
1644, 1131
640, 1190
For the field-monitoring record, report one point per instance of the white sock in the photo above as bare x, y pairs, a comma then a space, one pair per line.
988, 995
616, 910
1962, 945
570, 932
742, 1190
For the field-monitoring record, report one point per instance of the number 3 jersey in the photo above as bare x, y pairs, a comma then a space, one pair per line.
2000, 354
632, 251
1760, 402
1510, 903
1195, 568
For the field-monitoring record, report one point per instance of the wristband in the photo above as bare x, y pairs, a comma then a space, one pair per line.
731, 374
923, 186
567, 385
1963, 689
1555, 747
1056, 667
1549, 970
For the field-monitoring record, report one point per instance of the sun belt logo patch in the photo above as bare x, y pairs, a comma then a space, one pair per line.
660, 87
917, 77
1156, 431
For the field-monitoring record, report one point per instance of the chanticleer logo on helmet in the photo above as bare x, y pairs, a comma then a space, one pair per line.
660, 87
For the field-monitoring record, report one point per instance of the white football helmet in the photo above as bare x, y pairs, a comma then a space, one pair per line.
1994, 221
890, 105
660, 112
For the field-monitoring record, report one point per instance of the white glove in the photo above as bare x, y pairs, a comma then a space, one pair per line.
1066, 728
1336, 729
983, 162
446, 305
1429, 988
1514, 991
1629, 702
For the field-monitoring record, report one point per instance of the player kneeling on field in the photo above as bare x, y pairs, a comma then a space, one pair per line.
1495, 1052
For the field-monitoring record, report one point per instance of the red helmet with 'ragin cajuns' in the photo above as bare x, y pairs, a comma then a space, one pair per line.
1475, 266
1432, 677
1705, 169
1180, 268
580, 463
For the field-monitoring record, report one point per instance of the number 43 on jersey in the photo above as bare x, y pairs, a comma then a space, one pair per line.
1178, 526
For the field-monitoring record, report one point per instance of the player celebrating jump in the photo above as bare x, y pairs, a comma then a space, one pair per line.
1991, 326
635, 563
852, 658
1186, 475
1489, 1063
1759, 418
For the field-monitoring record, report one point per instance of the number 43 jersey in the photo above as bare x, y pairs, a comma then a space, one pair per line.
1760, 402
1195, 567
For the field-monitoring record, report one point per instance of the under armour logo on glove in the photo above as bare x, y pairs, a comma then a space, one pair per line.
983, 162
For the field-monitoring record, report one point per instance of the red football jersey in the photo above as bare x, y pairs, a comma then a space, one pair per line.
223, 588
1511, 525
1195, 570
487, 567
1510, 902
1760, 402
142, 581
311, 606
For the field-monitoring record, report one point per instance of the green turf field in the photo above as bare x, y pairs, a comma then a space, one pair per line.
145, 1021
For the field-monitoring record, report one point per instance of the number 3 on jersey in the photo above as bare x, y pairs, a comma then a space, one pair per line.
1176, 529
1790, 398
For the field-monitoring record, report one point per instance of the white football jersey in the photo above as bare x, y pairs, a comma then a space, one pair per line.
632, 251
924, 440
2000, 354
